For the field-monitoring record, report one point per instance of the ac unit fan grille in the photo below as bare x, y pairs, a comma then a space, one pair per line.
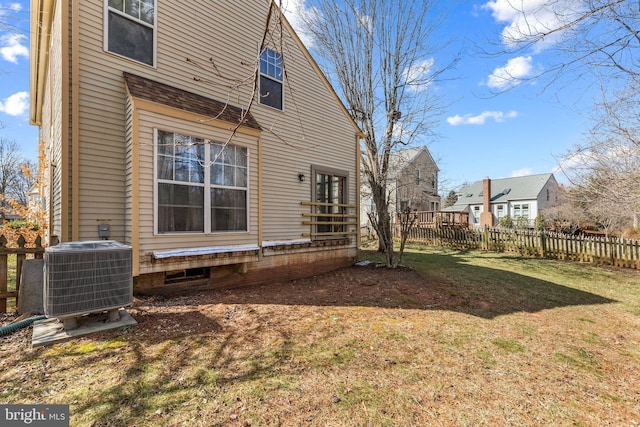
86, 281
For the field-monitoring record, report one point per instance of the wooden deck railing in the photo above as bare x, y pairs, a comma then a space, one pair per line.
21, 252
330, 219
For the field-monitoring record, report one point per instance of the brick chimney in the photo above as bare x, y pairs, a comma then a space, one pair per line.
486, 216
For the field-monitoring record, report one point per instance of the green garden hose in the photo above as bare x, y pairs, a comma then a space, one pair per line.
13, 327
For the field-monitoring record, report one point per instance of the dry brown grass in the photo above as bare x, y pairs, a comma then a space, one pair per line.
466, 338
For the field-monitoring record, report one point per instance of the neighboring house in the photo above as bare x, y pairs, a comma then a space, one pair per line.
488, 201
205, 178
413, 184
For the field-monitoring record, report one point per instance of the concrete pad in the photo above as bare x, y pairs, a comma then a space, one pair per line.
50, 331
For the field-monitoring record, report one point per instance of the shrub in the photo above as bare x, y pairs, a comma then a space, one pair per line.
506, 221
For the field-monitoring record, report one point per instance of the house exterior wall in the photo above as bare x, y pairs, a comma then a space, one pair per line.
419, 191
550, 195
54, 126
110, 169
404, 185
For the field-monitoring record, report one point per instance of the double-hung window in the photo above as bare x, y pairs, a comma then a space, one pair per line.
271, 79
201, 185
130, 29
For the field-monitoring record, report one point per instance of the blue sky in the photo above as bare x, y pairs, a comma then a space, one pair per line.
522, 131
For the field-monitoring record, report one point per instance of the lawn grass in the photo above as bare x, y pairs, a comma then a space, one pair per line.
508, 341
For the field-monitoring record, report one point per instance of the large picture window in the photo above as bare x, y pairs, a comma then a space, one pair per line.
271, 79
130, 29
202, 186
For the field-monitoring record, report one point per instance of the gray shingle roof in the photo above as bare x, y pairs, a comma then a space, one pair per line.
504, 190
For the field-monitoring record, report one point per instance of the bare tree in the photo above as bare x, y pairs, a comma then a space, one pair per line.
606, 169
585, 36
11, 173
380, 55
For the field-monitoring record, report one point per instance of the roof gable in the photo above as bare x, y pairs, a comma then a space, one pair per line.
398, 160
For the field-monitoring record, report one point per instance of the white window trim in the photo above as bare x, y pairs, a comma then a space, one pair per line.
105, 37
261, 74
206, 185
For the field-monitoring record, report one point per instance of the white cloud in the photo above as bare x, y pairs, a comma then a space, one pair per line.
16, 104
417, 76
12, 48
511, 74
533, 17
13, 7
297, 12
481, 118
522, 172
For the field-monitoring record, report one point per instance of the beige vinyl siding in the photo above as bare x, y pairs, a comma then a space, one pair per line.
54, 149
313, 129
150, 241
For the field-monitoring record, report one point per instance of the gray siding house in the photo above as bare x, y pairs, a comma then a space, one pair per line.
488, 201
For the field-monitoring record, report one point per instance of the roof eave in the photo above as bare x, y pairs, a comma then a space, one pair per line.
41, 16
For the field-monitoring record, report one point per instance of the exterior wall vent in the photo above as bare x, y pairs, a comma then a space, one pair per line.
87, 277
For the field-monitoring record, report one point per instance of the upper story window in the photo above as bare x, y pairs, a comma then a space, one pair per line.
130, 29
271, 79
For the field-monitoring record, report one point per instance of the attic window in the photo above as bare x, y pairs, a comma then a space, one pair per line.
271, 79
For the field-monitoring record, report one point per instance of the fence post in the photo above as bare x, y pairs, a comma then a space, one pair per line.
543, 244
20, 257
486, 238
3, 273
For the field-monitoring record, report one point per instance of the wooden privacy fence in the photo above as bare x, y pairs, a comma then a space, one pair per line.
6, 269
618, 252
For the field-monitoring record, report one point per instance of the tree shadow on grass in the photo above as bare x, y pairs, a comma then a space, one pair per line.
187, 351
173, 364
478, 291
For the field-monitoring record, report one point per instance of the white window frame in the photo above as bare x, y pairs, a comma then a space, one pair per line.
270, 77
105, 46
517, 211
207, 188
